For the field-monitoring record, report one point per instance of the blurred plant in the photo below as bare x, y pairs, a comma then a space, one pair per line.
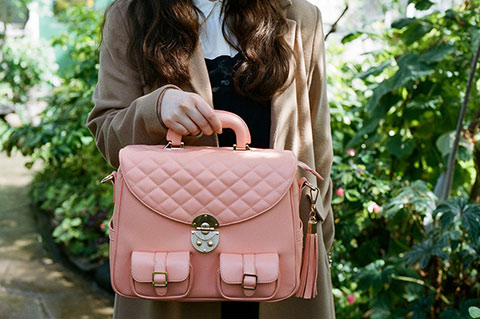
24, 65
68, 186
13, 11
474, 312
413, 92
392, 252
398, 255
61, 5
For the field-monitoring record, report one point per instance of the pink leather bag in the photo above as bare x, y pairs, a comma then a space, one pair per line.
200, 223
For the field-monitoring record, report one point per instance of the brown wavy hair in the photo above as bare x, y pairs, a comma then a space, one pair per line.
165, 34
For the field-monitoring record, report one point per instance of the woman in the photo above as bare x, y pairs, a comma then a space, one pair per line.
167, 64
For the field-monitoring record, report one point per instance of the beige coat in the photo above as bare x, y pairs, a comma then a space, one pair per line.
126, 112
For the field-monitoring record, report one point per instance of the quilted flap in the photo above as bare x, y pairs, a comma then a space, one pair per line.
181, 184
177, 265
265, 265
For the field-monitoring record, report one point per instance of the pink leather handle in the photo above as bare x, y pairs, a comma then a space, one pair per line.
228, 120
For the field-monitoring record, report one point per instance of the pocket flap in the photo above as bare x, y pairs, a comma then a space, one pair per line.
176, 265
232, 267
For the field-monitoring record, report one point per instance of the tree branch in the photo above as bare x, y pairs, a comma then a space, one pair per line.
334, 25
445, 193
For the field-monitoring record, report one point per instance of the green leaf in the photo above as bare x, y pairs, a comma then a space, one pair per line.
400, 23
469, 214
422, 4
421, 307
351, 36
416, 31
417, 196
399, 148
437, 54
445, 143
374, 70
381, 307
471, 221
352, 195
374, 275
425, 250
474, 312
77, 221
370, 126
411, 67
386, 86
450, 313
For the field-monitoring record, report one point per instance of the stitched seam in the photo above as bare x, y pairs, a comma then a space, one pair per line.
315, 34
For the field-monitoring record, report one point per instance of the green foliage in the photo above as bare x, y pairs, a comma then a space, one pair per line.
68, 186
413, 93
397, 251
14, 11
24, 65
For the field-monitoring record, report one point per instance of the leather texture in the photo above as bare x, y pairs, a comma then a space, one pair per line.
231, 185
254, 196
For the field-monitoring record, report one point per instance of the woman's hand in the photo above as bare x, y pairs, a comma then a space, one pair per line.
188, 113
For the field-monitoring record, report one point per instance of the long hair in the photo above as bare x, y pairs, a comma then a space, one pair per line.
164, 34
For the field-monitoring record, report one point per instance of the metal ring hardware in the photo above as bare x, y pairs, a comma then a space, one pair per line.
108, 178
170, 146
235, 148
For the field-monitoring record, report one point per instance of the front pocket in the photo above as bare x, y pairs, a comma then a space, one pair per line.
248, 276
161, 275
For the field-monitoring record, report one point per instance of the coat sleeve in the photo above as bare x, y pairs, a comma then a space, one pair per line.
122, 114
322, 136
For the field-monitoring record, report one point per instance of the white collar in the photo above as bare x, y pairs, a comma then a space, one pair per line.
206, 6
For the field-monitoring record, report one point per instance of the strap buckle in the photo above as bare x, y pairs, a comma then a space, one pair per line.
159, 285
243, 281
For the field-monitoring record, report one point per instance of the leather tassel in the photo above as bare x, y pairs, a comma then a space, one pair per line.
308, 273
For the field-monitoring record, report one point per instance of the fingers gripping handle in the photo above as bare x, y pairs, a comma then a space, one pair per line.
228, 120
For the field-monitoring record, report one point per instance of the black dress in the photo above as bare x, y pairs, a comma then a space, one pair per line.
257, 117
255, 114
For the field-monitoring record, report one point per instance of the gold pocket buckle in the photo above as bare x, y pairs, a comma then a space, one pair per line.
159, 273
243, 281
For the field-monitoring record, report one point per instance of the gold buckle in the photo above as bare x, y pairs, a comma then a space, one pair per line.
159, 273
243, 281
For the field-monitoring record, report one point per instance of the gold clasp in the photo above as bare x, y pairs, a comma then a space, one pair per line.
313, 217
314, 191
